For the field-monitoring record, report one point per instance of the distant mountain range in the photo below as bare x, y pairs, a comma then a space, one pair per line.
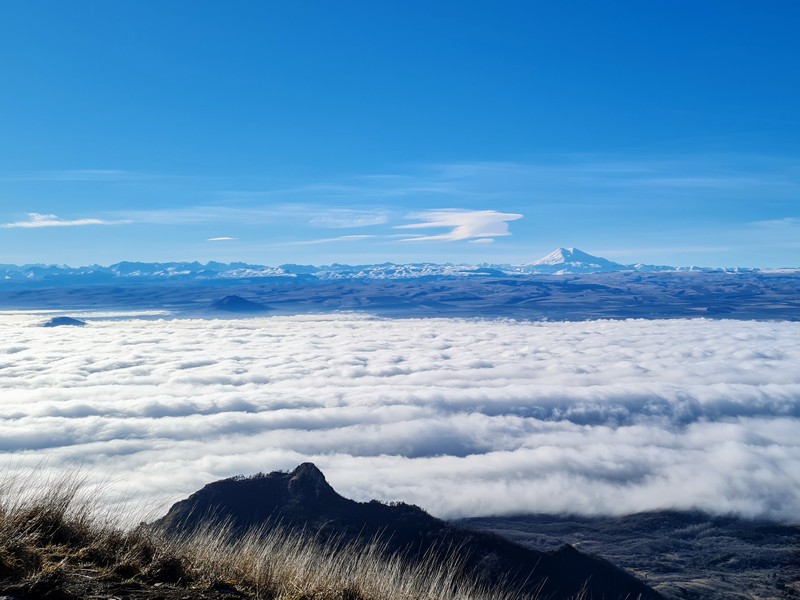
566, 284
563, 261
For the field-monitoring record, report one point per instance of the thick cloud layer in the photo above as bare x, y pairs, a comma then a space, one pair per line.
463, 417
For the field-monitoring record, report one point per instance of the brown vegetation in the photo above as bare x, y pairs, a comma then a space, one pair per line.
55, 544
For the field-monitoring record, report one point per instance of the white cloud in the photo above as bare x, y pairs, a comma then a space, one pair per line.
463, 224
463, 417
221, 239
40, 220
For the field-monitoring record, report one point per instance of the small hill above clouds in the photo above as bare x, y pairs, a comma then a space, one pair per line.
237, 304
63, 321
303, 500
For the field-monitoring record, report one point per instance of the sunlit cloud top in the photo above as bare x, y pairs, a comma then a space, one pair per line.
462, 417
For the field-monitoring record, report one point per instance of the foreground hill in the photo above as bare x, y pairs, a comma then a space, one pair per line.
55, 546
303, 500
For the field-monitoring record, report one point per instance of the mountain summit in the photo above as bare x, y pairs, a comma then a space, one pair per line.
573, 260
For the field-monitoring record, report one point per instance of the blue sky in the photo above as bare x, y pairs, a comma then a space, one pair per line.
663, 131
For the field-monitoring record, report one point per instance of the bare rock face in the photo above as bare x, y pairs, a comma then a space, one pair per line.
302, 499
308, 488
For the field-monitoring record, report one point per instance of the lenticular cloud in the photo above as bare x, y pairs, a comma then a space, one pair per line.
463, 417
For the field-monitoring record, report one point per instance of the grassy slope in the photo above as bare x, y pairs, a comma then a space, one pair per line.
55, 545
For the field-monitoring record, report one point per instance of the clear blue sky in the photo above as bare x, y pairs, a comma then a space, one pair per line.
665, 131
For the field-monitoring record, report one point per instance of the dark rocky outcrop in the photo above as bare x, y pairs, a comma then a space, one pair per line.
303, 499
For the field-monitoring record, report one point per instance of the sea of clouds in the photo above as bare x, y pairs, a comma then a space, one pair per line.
464, 417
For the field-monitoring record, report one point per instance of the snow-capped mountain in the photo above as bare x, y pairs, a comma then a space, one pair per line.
563, 261
563, 256
572, 260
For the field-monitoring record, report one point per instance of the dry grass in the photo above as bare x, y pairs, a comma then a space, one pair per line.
287, 564
46, 537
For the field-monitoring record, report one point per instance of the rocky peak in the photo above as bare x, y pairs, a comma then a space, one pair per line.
307, 485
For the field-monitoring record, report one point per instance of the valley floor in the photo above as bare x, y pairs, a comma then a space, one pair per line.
683, 555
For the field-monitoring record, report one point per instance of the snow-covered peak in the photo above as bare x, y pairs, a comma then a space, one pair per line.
564, 255
573, 258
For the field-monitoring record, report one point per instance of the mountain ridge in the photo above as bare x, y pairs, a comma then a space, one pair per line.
562, 261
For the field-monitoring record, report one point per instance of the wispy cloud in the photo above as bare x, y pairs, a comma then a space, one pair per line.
463, 224
221, 239
667, 201
185, 215
786, 223
78, 175
340, 238
39, 220
88, 175
341, 219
